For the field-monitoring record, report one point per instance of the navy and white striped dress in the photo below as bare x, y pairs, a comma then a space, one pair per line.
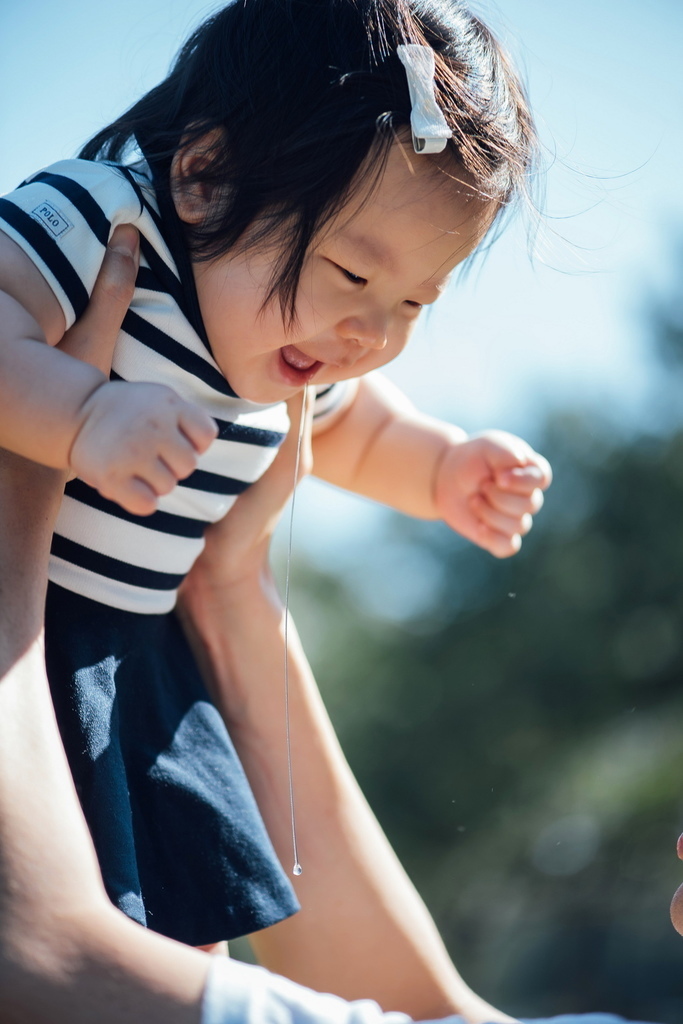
180, 840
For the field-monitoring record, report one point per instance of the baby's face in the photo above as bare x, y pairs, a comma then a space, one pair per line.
361, 290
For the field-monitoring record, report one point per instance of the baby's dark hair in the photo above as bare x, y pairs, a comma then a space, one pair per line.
303, 99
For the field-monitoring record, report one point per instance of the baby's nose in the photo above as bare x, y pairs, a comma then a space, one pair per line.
367, 331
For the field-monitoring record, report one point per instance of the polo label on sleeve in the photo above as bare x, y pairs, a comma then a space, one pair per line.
52, 219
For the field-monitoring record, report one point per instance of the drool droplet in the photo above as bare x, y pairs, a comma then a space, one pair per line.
297, 869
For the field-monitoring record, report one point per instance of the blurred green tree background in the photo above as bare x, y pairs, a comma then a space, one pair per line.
518, 726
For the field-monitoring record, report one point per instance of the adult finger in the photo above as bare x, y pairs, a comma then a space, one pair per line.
93, 336
239, 542
262, 504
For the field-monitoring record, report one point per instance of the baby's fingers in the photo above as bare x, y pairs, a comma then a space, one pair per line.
160, 477
179, 456
499, 533
198, 427
134, 494
525, 479
140, 493
507, 524
511, 504
500, 545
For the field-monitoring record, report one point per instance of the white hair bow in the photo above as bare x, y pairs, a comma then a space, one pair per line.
429, 128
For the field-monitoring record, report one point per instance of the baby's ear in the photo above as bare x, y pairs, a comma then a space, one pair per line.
191, 194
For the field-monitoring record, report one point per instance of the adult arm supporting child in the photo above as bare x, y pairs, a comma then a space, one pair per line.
65, 952
363, 931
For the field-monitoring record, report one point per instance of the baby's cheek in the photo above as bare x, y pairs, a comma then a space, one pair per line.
397, 341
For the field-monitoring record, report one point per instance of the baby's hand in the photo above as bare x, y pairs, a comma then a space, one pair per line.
489, 487
137, 441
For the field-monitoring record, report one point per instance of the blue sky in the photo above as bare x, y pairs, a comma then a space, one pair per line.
518, 337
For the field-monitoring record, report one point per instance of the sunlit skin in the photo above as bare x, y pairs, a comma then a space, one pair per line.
677, 901
362, 287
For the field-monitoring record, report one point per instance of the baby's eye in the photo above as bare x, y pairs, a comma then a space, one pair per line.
352, 277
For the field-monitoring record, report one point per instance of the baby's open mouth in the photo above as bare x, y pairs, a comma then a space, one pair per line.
297, 366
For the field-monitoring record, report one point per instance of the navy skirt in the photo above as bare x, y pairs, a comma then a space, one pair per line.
180, 840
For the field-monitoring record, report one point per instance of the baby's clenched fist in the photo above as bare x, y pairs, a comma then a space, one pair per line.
137, 441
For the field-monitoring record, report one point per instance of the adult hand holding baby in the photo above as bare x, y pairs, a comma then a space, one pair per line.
137, 441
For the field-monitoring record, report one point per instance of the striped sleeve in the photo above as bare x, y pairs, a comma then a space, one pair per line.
332, 398
62, 218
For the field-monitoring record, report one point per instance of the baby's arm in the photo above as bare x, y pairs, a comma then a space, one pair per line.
132, 442
486, 487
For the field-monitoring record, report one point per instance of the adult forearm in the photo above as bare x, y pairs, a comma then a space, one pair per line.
65, 953
363, 930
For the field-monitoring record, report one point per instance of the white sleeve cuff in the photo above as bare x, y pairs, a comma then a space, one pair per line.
238, 993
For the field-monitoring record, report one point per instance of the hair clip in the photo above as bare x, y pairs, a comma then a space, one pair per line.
428, 125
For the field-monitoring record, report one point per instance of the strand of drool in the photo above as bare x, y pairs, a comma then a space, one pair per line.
297, 869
